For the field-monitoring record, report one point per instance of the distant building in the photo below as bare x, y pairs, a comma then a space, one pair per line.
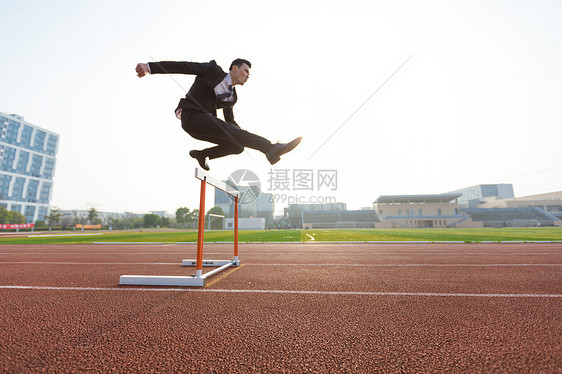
513, 217
260, 206
245, 224
27, 165
413, 211
295, 212
442, 210
473, 196
70, 218
339, 219
162, 214
551, 203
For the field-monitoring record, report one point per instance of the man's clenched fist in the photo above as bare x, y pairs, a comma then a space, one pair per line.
142, 70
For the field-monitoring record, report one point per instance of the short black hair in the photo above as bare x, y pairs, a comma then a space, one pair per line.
239, 61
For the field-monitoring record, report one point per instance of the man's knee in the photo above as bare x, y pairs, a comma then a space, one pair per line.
236, 149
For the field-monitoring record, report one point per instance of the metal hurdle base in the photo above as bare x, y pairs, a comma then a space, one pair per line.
197, 280
162, 280
234, 262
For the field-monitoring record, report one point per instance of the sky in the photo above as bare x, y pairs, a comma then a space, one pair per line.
460, 93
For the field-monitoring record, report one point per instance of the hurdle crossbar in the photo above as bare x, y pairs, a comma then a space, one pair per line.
198, 279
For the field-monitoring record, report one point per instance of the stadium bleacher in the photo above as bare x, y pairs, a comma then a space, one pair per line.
337, 219
511, 217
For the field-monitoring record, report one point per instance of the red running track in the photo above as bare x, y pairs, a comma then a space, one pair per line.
289, 308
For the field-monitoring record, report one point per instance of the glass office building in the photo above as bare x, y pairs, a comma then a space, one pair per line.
472, 197
27, 165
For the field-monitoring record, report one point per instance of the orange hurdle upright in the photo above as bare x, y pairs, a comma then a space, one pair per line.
236, 228
199, 262
201, 230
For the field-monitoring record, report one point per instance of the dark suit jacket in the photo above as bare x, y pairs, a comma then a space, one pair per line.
201, 95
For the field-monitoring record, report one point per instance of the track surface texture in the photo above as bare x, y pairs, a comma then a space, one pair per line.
293, 308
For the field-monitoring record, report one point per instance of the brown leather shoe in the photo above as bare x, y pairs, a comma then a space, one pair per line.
279, 149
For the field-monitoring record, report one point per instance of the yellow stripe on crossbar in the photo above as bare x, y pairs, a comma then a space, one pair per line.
224, 275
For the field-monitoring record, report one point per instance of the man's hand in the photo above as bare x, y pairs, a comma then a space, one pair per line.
142, 70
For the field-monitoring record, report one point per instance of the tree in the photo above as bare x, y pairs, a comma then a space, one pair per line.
128, 219
151, 220
193, 217
93, 216
111, 221
54, 217
17, 217
7, 217
4, 215
137, 222
182, 216
215, 223
75, 217
164, 222
79, 218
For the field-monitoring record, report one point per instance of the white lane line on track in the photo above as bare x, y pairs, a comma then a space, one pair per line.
409, 265
263, 264
87, 263
290, 292
55, 235
301, 253
348, 242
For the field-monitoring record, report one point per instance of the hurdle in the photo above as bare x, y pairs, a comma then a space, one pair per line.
198, 279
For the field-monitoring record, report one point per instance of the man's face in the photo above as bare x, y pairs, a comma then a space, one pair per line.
240, 74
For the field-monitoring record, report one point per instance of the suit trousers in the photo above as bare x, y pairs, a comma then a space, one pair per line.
228, 137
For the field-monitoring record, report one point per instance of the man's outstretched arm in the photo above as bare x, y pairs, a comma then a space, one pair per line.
173, 67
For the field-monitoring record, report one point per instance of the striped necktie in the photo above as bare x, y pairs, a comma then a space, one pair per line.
225, 95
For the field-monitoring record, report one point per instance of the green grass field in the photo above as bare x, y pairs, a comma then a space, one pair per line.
344, 235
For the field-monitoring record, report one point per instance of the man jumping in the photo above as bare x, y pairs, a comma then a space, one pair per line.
212, 89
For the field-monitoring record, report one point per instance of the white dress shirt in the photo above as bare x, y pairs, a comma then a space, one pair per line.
223, 91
